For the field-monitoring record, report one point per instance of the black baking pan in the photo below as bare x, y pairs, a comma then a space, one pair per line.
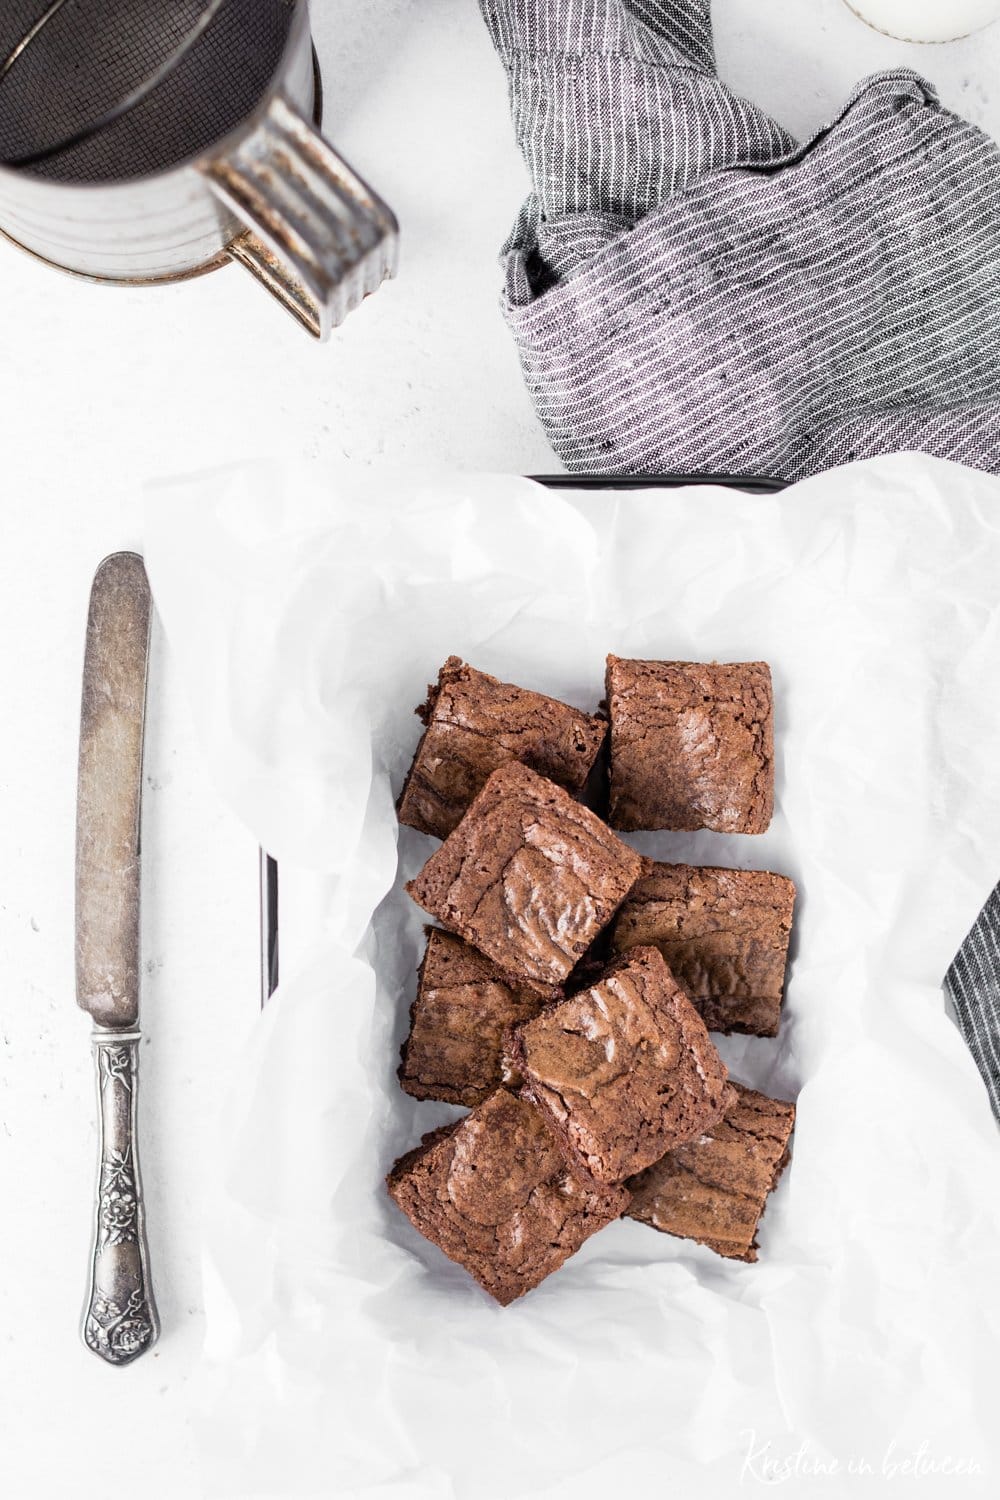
752, 483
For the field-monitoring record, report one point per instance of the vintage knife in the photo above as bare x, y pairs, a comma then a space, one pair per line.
120, 1321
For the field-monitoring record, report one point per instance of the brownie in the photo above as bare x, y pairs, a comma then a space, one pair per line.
494, 1193
692, 745
475, 724
724, 934
623, 1071
529, 877
457, 1021
714, 1189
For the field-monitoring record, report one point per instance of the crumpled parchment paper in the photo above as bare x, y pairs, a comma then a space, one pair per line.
346, 1355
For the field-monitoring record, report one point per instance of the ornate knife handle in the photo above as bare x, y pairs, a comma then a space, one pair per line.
120, 1321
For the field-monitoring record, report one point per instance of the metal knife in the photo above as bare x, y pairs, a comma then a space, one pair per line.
120, 1320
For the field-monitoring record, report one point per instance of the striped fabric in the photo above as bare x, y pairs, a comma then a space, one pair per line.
973, 986
689, 289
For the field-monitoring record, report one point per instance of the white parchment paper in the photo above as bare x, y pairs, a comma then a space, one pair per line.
349, 1356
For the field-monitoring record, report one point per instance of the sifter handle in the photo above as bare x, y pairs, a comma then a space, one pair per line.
317, 236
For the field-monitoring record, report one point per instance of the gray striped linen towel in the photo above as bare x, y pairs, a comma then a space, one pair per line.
689, 289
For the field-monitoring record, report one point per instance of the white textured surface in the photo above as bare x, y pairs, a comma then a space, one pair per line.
100, 390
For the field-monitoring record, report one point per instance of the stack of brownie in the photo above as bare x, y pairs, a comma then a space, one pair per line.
567, 997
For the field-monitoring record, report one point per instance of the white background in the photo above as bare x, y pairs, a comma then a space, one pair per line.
101, 390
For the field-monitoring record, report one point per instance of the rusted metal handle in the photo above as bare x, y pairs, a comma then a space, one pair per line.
120, 1320
317, 236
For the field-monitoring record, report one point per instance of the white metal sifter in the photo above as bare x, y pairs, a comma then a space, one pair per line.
149, 140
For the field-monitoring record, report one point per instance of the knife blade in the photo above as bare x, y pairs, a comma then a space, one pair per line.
120, 1320
109, 791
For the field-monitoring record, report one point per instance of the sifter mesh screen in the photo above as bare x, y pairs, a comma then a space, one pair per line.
90, 55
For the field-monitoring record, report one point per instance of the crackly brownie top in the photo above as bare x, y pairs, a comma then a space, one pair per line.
724, 934
692, 745
475, 723
494, 1193
624, 1070
457, 1021
714, 1188
529, 876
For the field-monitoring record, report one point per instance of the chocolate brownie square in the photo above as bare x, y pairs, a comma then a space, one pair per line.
475, 724
457, 1021
724, 934
692, 745
529, 877
494, 1193
623, 1071
715, 1188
